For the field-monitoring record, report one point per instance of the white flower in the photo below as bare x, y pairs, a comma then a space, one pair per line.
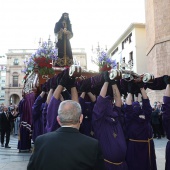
42, 54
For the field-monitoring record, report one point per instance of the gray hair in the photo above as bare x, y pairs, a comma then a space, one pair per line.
69, 112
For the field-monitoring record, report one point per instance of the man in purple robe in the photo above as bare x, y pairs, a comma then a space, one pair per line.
52, 110
44, 112
107, 128
87, 110
140, 147
166, 120
25, 111
37, 117
21, 141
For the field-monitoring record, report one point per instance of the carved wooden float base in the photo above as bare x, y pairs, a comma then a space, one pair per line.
84, 73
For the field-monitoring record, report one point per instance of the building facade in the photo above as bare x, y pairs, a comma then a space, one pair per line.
80, 56
2, 78
158, 40
14, 74
131, 47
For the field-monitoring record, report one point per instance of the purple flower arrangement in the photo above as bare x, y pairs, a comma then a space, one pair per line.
104, 62
42, 59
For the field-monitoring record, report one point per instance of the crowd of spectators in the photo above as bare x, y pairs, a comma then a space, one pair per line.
156, 120
14, 123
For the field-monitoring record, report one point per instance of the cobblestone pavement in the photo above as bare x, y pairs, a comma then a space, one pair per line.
11, 159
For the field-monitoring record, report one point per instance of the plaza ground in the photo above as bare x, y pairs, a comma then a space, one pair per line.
11, 159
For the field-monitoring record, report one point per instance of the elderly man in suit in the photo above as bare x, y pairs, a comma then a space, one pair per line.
66, 148
6, 118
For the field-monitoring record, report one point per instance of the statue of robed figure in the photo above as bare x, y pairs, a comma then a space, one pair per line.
63, 33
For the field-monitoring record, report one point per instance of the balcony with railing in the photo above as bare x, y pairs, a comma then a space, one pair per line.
14, 85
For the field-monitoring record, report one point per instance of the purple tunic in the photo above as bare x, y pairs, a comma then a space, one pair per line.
44, 115
23, 139
166, 123
37, 117
25, 109
52, 113
108, 130
87, 110
140, 149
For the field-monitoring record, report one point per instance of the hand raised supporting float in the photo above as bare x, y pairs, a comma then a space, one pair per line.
75, 71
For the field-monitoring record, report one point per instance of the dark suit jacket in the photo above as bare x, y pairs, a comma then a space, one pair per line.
5, 123
66, 149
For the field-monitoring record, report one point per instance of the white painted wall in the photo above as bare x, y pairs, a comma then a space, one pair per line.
141, 66
138, 46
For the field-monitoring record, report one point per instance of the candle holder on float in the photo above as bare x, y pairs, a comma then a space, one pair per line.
125, 72
102, 59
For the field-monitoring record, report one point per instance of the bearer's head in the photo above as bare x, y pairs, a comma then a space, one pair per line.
137, 108
69, 114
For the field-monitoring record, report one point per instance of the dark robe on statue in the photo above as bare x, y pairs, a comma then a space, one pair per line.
87, 110
166, 123
108, 130
140, 148
44, 117
52, 113
37, 117
25, 109
60, 44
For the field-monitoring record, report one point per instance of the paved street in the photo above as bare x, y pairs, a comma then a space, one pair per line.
11, 159
160, 145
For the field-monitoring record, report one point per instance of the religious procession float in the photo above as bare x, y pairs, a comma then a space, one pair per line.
40, 69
